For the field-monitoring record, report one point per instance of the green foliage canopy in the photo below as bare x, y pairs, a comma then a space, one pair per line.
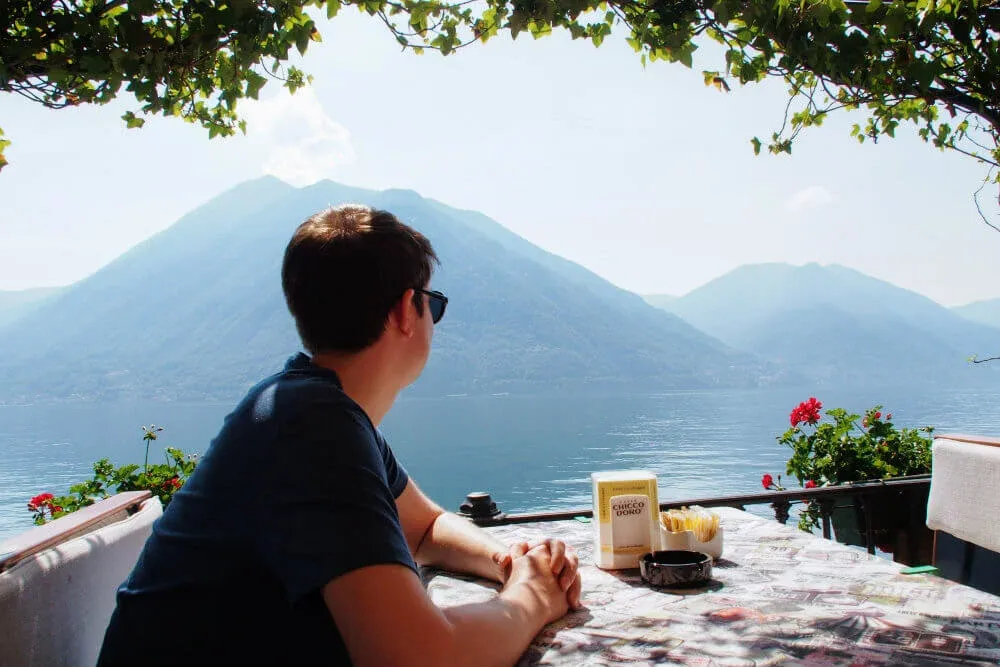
933, 63
189, 58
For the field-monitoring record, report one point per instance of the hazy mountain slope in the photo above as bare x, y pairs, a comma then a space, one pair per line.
197, 311
834, 324
15, 304
983, 312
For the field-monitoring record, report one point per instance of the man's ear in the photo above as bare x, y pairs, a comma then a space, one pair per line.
403, 315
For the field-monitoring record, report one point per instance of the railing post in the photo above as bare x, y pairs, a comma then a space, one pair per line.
479, 507
826, 512
781, 508
869, 533
967, 556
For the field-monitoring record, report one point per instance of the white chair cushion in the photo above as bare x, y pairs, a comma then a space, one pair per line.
55, 605
964, 481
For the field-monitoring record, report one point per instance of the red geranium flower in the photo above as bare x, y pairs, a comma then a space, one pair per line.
806, 411
767, 481
40, 500
878, 415
888, 416
810, 484
55, 508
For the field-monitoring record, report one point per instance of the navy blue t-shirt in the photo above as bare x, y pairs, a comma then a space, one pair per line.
297, 489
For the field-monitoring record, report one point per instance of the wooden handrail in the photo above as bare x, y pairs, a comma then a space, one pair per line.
772, 497
972, 439
64, 528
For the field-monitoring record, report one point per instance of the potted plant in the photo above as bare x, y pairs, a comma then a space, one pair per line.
848, 447
162, 479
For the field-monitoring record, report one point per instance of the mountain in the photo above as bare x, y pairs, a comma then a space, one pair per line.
197, 311
18, 303
660, 300
834, 325
983, 312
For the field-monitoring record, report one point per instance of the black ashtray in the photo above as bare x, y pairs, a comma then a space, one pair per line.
675, 568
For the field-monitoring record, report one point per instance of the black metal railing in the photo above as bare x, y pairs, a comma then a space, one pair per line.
865, 498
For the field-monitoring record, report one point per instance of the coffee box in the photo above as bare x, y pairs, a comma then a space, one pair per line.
626, 508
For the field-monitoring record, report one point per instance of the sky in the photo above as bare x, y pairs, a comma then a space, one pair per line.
643, 175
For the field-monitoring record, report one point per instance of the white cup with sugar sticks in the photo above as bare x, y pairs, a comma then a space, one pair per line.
691, 529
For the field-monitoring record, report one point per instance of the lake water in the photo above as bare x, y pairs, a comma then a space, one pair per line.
530, 452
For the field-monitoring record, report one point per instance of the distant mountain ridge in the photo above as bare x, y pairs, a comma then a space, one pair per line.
833, 324
660, 300
15, 304
196, 311
984, 312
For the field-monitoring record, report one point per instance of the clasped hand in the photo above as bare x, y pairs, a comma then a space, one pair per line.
547, 559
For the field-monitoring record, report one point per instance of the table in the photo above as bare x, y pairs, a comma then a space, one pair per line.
778, 596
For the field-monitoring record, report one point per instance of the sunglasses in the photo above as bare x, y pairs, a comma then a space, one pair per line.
436, 303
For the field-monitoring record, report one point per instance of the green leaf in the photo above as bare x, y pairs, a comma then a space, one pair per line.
254, 83
821, 10
302, 42
755, 142
133, 121
722, 12
539, 30
685, 55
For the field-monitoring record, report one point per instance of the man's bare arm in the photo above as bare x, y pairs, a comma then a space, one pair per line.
386, 618
448, 541
452, 543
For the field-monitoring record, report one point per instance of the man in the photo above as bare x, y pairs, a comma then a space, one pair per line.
297, 538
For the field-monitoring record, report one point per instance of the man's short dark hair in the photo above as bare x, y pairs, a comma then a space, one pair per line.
344, 270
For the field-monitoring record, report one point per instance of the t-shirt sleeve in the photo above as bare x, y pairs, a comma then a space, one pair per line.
395, 473
328, 508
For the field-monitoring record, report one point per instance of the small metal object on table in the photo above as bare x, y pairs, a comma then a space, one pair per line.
778, 596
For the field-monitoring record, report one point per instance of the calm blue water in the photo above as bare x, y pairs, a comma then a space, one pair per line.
530, 452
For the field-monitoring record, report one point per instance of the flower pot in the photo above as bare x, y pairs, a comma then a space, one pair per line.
898, 524
848, 525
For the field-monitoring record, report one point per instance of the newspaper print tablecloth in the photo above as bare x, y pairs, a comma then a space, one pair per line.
778, 597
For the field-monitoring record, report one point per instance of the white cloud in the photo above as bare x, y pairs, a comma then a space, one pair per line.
302, 143
815, 196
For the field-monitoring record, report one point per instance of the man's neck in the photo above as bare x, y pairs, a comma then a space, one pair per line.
366, 378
